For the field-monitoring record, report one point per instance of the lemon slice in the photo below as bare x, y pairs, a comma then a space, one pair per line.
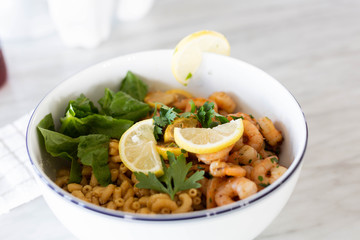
209, 140
188, 53
168, 147
181, 123
137, 149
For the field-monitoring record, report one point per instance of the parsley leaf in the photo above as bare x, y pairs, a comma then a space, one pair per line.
264, 184
174, 178
205, 114
235, 118
188, 76
166, 117
274, 159
149, 181
193, 106
221, 118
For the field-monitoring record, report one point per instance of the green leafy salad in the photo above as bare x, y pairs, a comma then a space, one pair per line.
85, 131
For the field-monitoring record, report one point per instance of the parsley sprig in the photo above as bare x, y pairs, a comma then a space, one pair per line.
174, 179
205, 115
166, 117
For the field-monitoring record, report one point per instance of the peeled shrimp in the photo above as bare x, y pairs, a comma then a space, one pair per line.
222, 169
223, 101
239, 144
266, 172
244, 116
253, 136
181, 98
264, 153
268, 130
212, 186
234, 187
159, 97
221, 155
248, 170
199, 102
246, 155
276, 173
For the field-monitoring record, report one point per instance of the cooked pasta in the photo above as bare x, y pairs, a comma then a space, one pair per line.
232, 173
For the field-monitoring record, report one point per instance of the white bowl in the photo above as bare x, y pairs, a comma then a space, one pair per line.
255, 91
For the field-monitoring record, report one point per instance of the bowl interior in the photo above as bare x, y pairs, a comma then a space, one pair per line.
255, 92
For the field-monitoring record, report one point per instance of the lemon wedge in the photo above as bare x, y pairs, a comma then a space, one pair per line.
209, 140
137, 148
187, 56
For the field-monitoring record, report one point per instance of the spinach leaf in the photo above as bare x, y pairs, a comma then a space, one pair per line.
60, 145
106, 101
82, 107
93, 151
133, 86
122, 105
75, 171
107, 125
71, 125
95, 123
47, 122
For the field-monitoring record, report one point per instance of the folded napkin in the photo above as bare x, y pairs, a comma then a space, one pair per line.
17, 184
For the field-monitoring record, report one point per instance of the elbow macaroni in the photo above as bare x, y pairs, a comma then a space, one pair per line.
123, 195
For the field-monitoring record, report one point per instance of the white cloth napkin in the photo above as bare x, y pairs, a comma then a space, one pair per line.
17, 184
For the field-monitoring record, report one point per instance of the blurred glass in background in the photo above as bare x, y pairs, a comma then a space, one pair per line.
3, 73
79, 23
23, 20
82, 23
87, 23
132, 10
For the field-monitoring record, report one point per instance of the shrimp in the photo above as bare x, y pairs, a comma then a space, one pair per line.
221, 155
204, 183
181, 98
239, 144
222, 169
246, 155
252, 136
223, 101
248, 170
276, 173
268, 130
199, 102
264, 153
181, 103
159, 97
244, 116
234, 187
266, 171
212, 186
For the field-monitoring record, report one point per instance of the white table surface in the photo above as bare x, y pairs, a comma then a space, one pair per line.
310, 46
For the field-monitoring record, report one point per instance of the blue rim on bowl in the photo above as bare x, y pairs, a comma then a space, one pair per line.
176, 217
